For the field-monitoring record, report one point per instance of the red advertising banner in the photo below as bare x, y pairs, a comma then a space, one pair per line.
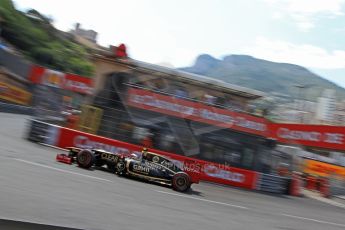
72, 82
323, 136
208, 171
196, 111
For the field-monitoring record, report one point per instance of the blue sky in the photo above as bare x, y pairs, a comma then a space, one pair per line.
304, 32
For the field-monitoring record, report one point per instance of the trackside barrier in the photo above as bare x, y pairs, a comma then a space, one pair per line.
324, 187
42, 132
311, 183
208, 171
296, 185
272, 184
18, 109
319, 184
337, 186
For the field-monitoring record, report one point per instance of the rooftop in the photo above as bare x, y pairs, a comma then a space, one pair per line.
107, 55
201, 80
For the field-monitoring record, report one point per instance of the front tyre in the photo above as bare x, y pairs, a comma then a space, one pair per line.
181, 182
85, 158
121, 167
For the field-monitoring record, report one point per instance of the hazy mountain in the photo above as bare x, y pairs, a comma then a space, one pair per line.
270, 77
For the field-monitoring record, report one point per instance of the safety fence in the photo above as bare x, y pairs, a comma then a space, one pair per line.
58, 96
223, 135
229, 145
203, 136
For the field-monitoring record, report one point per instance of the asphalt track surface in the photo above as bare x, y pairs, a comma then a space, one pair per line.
35, 188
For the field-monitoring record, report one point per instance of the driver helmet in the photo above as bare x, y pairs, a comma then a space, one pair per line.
135, 156
144, 153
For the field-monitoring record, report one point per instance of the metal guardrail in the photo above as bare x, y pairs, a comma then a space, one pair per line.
38, 131
14, 63
337, 187
42, 132
273, 184
18, 109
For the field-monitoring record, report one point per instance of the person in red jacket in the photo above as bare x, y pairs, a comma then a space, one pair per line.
73, 119
147, 141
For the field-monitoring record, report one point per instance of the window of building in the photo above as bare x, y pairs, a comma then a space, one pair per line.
247, 158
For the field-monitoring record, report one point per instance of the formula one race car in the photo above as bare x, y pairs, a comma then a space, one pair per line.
148, 166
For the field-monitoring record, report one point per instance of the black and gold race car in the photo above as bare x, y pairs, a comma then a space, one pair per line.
147, 166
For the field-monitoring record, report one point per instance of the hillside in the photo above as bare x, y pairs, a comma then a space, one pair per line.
266, 76
35, 37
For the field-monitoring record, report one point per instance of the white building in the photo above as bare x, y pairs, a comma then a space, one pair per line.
339, 115
326, 107
299, 111
90, 35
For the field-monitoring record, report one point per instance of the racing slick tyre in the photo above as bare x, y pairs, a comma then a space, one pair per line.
121, 167
181, 182
85, 159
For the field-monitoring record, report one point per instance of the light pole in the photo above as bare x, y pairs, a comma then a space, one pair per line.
299, 107
299, 97
1, 20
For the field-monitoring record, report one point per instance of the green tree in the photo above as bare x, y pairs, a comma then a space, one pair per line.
41, 42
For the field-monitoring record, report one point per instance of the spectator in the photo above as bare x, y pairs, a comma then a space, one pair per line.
179, 92
209, 99
147, 141
73, 119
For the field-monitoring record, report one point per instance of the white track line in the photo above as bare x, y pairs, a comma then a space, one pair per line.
201, 199
54, 147
26, 221
316, 196
314, 220
60, 170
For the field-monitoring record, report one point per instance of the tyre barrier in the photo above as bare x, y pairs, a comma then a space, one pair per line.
42, 132
296, 185
324, 187
37, 131
319, 184
273, 184
311, 183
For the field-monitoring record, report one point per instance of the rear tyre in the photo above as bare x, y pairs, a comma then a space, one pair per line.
85, 159
181, 182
